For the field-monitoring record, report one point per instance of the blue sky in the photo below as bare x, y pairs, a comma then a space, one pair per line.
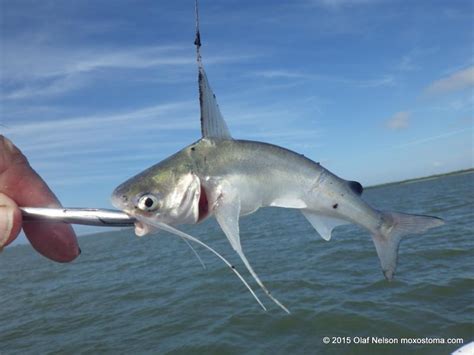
94, 92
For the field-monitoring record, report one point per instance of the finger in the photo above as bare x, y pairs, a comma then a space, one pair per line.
10, 220
56, 241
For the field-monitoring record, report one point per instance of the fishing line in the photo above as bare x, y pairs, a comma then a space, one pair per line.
197, 41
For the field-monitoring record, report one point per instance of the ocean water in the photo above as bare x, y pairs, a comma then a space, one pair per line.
150, 295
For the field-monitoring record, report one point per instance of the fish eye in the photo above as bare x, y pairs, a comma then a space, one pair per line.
148, 202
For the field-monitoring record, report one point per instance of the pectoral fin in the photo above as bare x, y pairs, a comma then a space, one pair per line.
323, 224
227, 212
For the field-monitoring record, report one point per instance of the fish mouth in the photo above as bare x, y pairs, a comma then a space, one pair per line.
120, 200
141, 228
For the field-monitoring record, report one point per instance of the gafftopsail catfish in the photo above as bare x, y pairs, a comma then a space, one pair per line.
228, 178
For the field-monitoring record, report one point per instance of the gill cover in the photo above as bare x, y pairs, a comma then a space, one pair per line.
181, 204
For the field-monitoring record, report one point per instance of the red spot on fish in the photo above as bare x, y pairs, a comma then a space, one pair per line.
203, 205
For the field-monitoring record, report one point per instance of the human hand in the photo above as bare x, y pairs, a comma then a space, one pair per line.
20, 185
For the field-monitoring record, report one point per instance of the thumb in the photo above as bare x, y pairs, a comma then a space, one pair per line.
10, 220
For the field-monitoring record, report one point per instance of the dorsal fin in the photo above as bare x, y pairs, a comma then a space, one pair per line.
212, 122
356, 187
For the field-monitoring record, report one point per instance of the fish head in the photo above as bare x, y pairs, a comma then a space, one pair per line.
162, 194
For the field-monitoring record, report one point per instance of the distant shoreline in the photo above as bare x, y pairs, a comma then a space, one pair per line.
423, 178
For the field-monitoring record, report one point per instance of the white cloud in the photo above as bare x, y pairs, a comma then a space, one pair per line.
32, 60
47, 88
411, 60
433, 138
286, 134
336, 4
457, 81
140, 118
281, 74
93, 148
398, 121
407, 63
386, 80
85, 138
32, 69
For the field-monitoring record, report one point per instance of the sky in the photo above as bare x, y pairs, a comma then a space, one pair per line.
93, 92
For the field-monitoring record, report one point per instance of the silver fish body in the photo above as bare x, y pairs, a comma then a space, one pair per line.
227, 178
269, 175
191, 185
264, 175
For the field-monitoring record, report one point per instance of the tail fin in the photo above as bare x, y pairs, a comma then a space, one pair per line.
394, 226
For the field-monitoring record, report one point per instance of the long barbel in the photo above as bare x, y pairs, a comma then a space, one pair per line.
85, 216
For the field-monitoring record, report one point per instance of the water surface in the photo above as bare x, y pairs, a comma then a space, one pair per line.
147, 295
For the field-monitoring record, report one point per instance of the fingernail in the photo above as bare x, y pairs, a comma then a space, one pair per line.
8, 143
6, 224
9, 146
